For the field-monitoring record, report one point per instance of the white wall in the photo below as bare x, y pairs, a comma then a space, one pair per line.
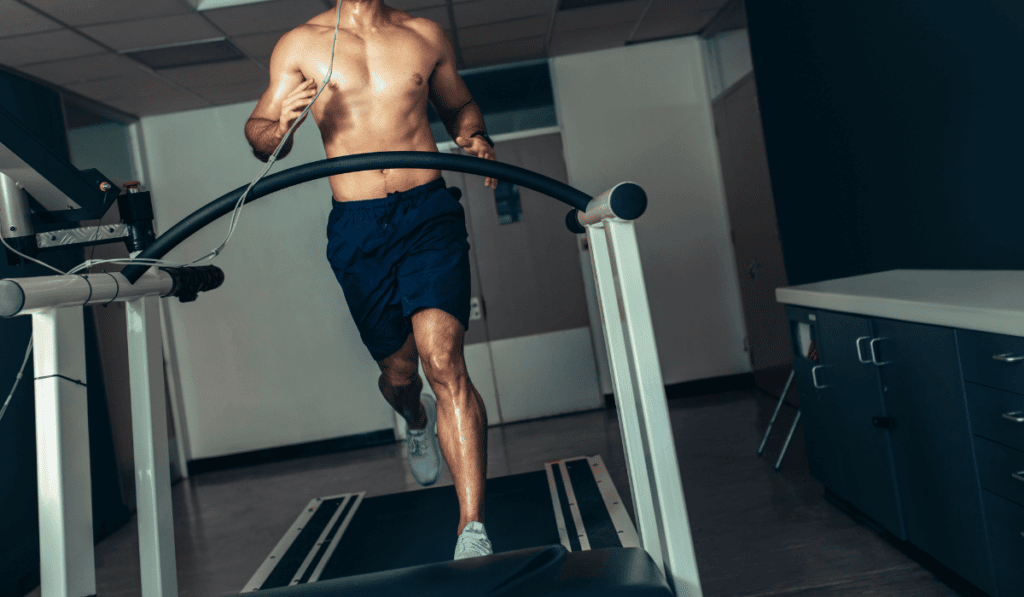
641, 113
273, 357
727, 60
105, 147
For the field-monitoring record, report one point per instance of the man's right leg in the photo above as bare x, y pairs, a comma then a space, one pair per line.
401, 384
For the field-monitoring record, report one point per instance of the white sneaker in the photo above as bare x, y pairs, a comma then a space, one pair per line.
424, 452
473, 542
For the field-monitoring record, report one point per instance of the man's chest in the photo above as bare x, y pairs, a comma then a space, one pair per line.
393, 64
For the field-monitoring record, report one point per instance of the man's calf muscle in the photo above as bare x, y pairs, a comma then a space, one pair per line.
264, 137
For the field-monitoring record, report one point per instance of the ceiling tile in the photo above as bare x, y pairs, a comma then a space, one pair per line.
504, 52
280, 15
158, 31
588, 40
481, 12
91, 12
597, 16
438, 14
260, 45
225, 73
16, 19
232, 94
90, 68
44, 47
666, 18
143, 86
161, 104
507, 31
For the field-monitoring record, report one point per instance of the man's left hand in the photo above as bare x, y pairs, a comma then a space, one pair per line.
476, 146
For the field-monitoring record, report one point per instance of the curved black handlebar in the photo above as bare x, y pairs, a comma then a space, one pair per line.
355, 163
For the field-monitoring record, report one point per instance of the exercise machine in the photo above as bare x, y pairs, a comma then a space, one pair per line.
664, 564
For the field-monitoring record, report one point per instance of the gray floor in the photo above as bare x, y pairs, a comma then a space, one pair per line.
756, 532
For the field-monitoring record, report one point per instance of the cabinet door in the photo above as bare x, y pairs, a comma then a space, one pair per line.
932, 446
856, 400
819, 422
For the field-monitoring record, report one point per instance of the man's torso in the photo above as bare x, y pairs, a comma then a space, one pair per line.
376, 99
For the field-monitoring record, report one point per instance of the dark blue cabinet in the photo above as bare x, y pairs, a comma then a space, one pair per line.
887, 429
864, 434
933, 446
822, 423
993, 367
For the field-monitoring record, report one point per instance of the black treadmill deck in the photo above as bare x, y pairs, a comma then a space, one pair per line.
572, 502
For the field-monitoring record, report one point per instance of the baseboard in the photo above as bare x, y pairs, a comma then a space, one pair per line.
701, 387
328, 446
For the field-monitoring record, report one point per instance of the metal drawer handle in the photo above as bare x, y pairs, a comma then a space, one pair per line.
1016, 416
874, 357
1019, 476
1009, 357
860, 355
814, 377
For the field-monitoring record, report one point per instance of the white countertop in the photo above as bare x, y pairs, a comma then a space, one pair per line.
987, 301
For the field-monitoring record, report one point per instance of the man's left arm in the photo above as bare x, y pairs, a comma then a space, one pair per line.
455, 106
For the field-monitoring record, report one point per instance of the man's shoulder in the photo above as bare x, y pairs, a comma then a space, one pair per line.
428, 28
295, 39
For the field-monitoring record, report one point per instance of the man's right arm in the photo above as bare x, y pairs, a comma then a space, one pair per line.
264, 137
288, 94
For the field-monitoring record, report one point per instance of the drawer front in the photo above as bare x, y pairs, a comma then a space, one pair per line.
1005, 528
978, 352
1001, 469
996, 415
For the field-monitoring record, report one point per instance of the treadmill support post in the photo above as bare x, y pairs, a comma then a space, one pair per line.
66, 557
149, 432
657, 490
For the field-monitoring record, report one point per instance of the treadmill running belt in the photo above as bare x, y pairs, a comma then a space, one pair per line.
347, 535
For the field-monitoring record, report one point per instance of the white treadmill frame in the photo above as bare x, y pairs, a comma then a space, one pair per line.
65, 512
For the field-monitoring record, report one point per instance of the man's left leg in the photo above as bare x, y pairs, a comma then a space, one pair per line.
461, 415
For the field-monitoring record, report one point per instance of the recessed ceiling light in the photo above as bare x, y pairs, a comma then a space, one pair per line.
211, 4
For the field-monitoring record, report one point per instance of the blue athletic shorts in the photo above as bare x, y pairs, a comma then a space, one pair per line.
397, 254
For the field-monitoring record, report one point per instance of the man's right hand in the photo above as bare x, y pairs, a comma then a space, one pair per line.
294, 104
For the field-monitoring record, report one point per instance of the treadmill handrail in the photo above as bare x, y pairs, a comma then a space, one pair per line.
357, 163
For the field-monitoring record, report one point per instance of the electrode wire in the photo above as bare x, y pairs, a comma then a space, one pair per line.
273, 158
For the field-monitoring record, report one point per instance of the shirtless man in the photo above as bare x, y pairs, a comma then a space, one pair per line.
396, 238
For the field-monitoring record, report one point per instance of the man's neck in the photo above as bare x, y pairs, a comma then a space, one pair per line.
362, 13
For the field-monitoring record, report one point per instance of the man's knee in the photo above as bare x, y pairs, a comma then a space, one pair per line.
399, 380
400, 368
444, 368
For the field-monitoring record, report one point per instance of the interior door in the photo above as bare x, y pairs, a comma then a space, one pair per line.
755, 234
530, 285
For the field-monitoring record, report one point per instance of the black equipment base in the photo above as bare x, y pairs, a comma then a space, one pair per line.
536, 572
